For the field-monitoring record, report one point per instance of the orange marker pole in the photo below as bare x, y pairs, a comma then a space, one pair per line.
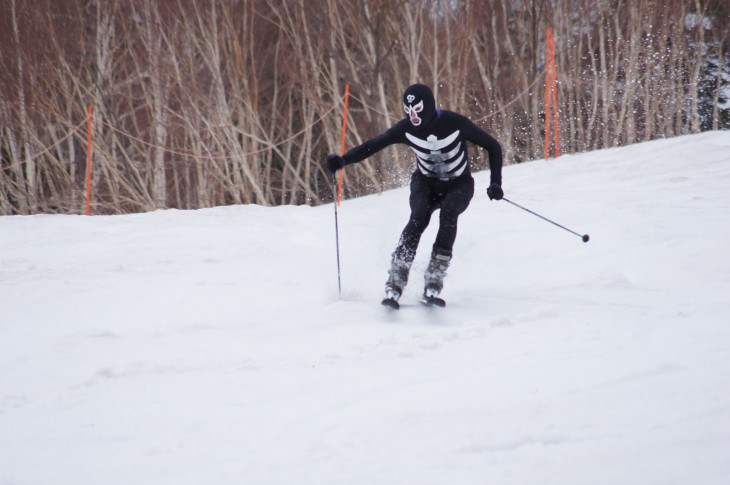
553, 81
342, 147
88, 167
556, 126
337, 190
548, 98
551, 94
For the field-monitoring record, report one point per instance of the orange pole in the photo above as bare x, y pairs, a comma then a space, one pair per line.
342, 147
88, 168
554, 87
551, 94
547, 97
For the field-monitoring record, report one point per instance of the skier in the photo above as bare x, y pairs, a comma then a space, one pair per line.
442, 180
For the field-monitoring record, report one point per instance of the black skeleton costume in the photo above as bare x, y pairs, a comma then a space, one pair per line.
442, 180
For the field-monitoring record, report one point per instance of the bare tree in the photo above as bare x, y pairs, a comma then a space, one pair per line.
200, 102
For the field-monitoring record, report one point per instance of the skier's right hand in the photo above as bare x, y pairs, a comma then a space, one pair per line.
334, 163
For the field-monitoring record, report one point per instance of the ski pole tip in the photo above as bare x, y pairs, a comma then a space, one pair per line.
586, 238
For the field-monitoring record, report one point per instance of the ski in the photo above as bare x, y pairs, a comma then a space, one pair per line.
432, 301
390, 303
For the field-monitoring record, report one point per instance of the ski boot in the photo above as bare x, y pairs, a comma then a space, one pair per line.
434, 278
397, 279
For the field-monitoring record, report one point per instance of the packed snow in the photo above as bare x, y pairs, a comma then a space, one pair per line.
212, 346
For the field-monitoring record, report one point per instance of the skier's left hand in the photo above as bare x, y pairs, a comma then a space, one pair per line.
495, 192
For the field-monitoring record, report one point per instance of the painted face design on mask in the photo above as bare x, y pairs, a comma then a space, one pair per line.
419, 105
412, 111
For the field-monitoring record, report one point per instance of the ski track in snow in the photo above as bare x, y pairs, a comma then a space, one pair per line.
211, 346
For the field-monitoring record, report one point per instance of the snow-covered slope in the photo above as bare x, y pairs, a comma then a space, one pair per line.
210, 346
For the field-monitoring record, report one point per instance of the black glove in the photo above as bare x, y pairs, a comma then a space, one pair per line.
334, 163
495, 192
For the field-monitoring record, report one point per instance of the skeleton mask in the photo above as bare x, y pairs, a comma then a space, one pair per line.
419, 104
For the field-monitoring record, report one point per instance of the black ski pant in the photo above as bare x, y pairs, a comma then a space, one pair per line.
427, 195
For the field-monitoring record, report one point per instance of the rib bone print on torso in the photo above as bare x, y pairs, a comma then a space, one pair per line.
442, 158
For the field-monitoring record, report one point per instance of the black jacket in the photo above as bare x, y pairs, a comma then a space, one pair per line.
439, 145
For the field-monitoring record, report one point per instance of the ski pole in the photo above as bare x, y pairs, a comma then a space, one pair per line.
337, 233
584, 237
337, 187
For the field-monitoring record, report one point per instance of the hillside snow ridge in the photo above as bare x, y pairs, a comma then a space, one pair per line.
210, 346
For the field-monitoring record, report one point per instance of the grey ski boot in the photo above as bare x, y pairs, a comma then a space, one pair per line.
397, 280
434, 277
